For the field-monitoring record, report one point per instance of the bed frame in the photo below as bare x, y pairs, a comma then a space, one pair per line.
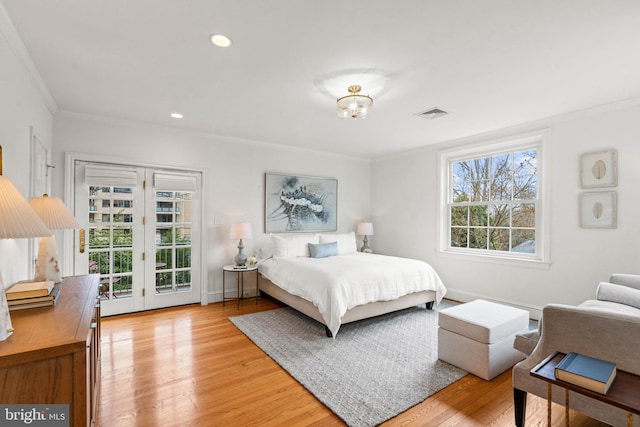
356, 313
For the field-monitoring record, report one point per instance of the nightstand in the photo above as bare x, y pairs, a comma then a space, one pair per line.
240, 273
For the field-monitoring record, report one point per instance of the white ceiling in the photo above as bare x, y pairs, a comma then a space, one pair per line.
490, 63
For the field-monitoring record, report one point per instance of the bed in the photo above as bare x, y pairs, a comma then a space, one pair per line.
325, 277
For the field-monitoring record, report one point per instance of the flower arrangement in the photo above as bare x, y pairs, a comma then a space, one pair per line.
251, 261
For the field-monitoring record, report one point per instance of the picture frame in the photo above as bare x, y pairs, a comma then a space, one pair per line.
300, 204
598, 209
599, 169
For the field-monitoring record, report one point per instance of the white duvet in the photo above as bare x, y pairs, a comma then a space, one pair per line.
337, 283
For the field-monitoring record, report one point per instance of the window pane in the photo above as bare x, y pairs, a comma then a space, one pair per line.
99, 237
478, 215
164, 259
499, 215
122, 286
183, 235
183, 281
523, 215
478, 238
164, 236
122, 261
501, 189
525, 162
501, 166
459, 215
459, 237
523, 241
525, 187
183, 257
499, 239
122, 237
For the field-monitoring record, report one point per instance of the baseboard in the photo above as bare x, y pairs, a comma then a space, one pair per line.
462, 296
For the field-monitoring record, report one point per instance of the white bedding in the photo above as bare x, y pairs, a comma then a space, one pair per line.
337, 283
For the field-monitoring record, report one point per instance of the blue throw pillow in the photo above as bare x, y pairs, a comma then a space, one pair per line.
322, 250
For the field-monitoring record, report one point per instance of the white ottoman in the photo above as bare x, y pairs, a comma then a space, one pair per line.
478, 337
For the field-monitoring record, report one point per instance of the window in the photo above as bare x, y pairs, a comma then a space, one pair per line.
491, 200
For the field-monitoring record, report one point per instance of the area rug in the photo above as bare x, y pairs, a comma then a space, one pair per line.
373, 370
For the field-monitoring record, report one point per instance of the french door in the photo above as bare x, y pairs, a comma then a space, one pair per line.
141, 229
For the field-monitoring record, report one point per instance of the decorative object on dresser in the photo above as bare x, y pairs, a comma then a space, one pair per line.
34, 298
365, 229
295, 204
54, 356
56, 216
17, 220
240, 230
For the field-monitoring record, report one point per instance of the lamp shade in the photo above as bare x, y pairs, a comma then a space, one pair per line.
54, 213
365, 229
17, 219
240, 230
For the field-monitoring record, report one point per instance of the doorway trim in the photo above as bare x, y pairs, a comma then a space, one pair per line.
71, 239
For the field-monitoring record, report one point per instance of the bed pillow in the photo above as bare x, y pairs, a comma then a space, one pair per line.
292, 246
618, 293
323, 250
346, 242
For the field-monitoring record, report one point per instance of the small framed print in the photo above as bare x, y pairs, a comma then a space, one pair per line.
598, 209
599, 169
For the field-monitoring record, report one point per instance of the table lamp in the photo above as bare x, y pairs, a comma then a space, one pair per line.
365, 229
240, 230
56, 216
17, 220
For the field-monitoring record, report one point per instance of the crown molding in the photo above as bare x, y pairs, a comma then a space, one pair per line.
10, 34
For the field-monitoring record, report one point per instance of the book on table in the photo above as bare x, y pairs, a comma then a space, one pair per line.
33, 302
28, 289
587, 372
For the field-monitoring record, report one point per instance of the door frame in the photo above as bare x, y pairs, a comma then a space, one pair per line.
71, 239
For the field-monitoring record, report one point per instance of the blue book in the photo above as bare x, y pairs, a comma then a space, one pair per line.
587, 372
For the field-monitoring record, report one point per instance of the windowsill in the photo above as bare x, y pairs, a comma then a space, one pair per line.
496, 259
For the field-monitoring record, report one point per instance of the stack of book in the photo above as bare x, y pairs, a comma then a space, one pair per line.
587, 372
32, 294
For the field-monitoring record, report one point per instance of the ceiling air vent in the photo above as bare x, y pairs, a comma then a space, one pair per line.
432, 113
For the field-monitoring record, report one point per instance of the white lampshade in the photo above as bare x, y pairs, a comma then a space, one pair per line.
17, 219
240, 230
54, 213
365, 229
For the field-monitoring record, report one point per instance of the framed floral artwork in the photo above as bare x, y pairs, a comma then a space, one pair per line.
298, 204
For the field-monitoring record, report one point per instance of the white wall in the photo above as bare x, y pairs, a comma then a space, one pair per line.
404, 211
235, 190
21, 107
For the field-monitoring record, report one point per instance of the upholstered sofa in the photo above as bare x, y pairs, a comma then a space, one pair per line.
607, 328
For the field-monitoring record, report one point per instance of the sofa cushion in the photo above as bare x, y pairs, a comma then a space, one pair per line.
618, 293
611, 306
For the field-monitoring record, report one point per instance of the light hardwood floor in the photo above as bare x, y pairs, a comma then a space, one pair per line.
189, 366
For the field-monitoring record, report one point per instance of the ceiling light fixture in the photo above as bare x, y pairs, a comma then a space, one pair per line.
220, 40
354, 105
176, 115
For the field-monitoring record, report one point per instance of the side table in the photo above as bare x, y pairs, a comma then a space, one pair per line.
622, 394
239, 272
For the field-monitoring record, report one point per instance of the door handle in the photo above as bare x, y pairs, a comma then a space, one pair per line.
81, 243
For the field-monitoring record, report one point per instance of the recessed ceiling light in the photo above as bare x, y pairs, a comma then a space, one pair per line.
220, 40
176, 115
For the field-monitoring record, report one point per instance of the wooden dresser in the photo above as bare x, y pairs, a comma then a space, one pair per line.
53, 356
